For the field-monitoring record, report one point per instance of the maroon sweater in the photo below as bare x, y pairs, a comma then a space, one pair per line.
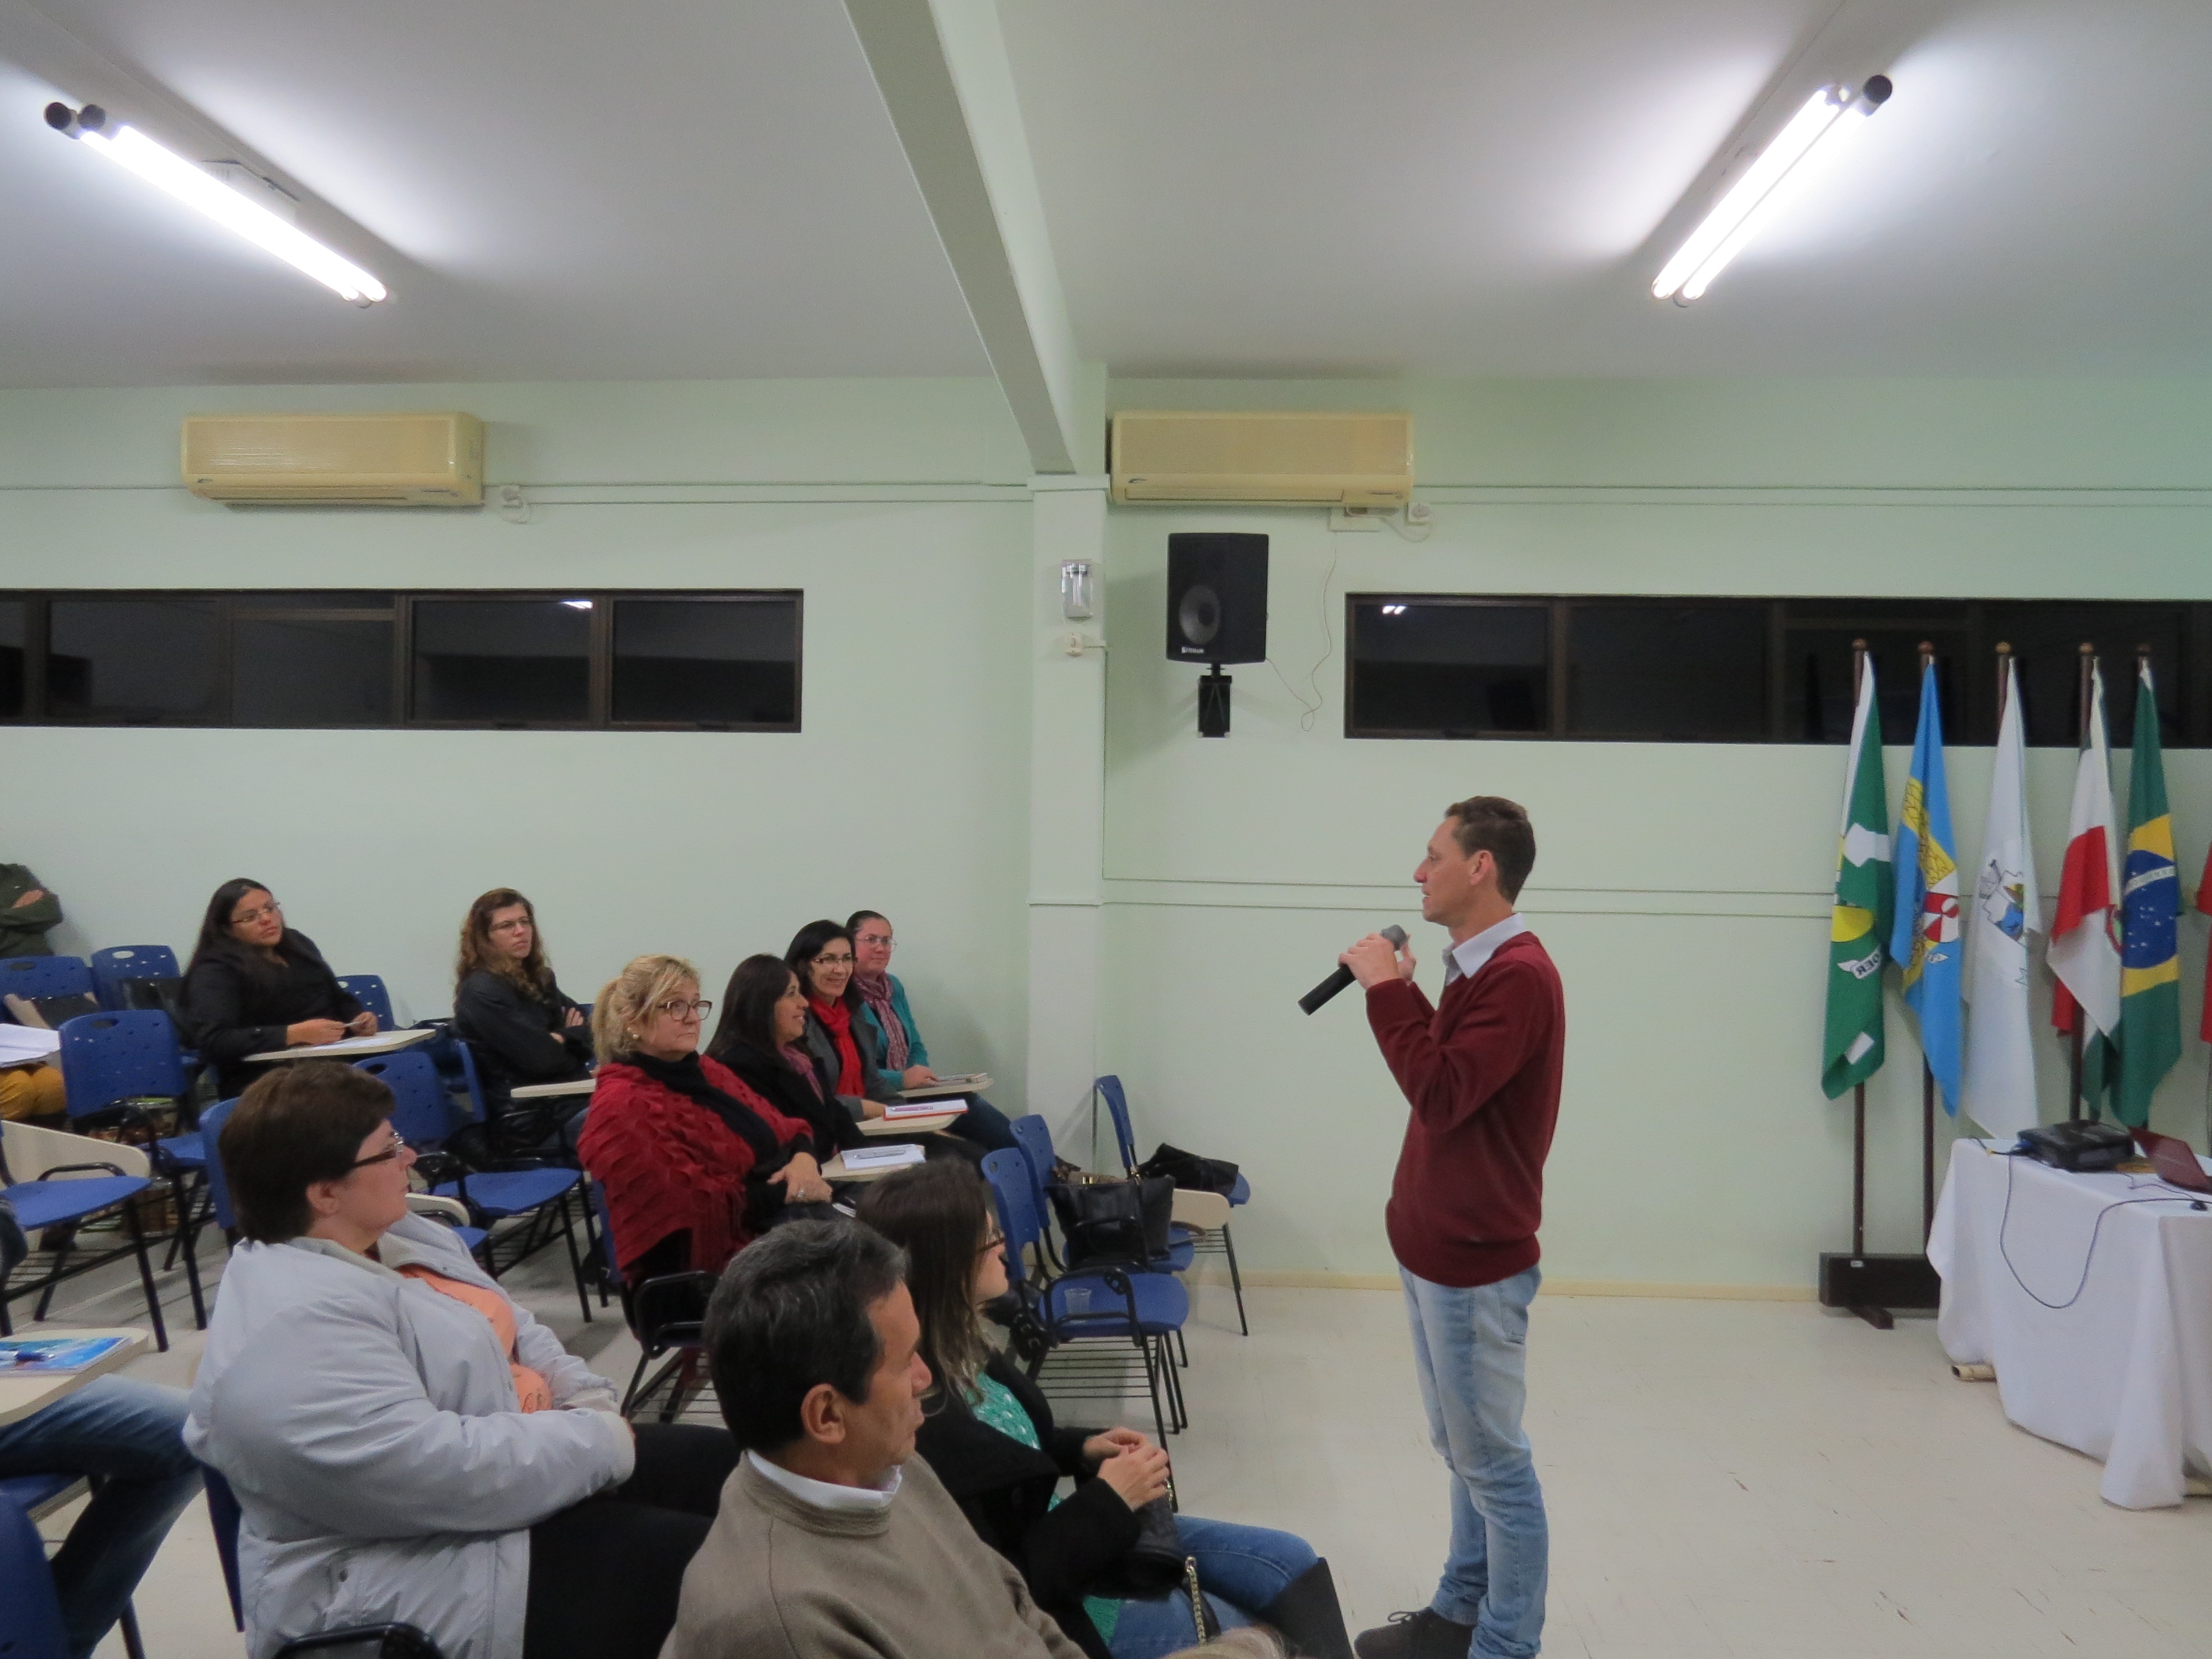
1482, 1074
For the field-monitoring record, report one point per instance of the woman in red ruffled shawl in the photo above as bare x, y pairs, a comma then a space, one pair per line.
695, 1163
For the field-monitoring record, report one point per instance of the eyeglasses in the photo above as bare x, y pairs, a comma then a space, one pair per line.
399, 1145
883, 940
833, 962
677, 1008
247, 918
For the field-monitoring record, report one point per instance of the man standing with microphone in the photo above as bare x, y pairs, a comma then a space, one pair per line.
1481, 1071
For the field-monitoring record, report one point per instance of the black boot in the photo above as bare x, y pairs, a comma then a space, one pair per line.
1307, 1617
1426, 1634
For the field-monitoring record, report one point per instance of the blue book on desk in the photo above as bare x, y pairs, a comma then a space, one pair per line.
40, 1356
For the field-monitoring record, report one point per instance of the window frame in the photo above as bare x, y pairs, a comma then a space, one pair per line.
38, 602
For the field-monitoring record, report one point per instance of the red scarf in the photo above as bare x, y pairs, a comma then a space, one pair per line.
838, 1018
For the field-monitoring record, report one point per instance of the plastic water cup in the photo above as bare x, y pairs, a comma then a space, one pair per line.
1076, 1300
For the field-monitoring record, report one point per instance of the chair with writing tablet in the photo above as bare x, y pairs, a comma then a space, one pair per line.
113, 970
1117, 1303
1210, 1242
33, 977
368, 990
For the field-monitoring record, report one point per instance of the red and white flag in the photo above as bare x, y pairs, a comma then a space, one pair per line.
2085, 943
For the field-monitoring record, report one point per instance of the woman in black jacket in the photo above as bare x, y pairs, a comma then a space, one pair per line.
508, 1008
989, 1435
254, 984
761, 1038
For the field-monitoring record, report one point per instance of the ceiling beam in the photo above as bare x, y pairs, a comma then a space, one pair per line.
945, 78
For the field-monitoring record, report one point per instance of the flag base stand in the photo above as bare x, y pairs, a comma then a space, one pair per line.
1873, 1286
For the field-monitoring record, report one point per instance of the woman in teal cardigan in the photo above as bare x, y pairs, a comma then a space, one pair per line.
895, 1043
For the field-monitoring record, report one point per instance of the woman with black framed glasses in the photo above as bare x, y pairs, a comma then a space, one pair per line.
255, 983
406, 1443
695, 1163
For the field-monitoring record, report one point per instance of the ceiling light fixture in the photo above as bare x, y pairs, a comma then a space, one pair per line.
133, 150
1830, 120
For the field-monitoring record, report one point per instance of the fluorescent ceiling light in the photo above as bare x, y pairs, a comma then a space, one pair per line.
130, 149
1822, 129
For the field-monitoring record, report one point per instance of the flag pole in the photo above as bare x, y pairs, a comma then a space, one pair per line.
2082, 726
1858, 1090
1927, 1072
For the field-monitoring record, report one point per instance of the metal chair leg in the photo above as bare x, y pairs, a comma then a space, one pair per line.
146, 1275
1152, 1387
1236, 1281
575, 1266
131, 1646
179, 1195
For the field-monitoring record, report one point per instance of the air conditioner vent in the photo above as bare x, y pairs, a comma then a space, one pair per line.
1352, 459
336, 460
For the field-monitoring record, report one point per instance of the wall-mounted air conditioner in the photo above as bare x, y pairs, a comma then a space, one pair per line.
339, 460
1313, 459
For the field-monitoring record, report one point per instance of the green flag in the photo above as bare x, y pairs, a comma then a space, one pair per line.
2150, 904
1852, 1050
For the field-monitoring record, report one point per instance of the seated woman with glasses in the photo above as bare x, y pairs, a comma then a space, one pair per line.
254, 985
846, 1050
407, 1444
989, 1435
508, 1008
905, 1056
694, 1163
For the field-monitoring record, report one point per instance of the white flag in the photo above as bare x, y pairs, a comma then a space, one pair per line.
1999, 1090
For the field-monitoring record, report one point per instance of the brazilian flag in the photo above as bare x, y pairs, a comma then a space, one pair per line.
2151, 905
1852, 1049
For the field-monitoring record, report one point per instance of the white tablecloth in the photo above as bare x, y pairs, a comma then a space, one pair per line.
2126, 1372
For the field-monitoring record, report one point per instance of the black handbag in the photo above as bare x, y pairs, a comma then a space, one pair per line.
1190, 1171
1124, 1221
1152, 1566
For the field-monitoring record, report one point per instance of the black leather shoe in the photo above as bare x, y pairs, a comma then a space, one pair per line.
1424, 1635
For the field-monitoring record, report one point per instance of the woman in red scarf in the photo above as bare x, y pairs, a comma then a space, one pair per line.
846, 1048
695, 1163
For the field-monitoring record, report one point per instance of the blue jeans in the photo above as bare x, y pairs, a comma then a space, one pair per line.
1241, 1569
129, 1435
1470, 1352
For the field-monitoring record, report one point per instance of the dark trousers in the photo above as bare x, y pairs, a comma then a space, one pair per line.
604, 1574
984, 1125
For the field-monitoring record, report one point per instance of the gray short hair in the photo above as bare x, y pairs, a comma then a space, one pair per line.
792, 1313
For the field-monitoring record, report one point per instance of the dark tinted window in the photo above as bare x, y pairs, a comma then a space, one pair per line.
310, 670
134, 661
731, 662
317, 598
1667, 670
1441, 668
2047, 642
1816, 687
14, 643
493, 661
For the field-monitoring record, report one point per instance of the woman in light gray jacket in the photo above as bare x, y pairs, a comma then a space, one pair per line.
406, 1444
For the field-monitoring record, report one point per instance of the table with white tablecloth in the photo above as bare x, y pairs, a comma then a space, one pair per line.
2123, 1369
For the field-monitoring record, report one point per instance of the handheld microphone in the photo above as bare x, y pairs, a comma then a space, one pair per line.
1343, 976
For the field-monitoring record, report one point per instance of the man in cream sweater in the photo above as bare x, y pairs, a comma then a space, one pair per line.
834, 1541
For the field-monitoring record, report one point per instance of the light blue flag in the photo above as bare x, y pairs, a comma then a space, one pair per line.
1925, 942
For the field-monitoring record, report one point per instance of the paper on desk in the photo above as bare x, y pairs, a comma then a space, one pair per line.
23, 1045
882, 1158
953, 1108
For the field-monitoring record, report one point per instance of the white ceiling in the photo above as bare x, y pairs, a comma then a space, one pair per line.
576, 189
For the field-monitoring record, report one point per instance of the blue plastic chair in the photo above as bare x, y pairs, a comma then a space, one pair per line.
47, 1202
111, 1062
367, 989
1034, 1136
31, 1495
1128, 1302
424, 1115
30, 1613
218, 1185
1125, 1138
118, 962
44, 977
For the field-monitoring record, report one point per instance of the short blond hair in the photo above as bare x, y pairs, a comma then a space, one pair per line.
622, 1001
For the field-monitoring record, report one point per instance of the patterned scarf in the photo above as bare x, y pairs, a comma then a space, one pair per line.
802, 1063
875, 990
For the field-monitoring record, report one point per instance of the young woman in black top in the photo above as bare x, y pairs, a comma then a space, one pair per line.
254, 984
762, 1037
989, 1435
508, 1008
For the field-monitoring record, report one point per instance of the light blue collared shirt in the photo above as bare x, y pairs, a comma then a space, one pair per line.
1467, 957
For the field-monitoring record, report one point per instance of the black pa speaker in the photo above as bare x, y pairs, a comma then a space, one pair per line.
1216, 598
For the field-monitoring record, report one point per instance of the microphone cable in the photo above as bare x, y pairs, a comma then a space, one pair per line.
2177, 1194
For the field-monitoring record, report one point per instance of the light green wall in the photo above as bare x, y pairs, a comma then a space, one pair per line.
1682, 888
907, 790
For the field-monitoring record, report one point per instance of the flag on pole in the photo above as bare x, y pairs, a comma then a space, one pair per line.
2204, 905
2150, 907
1851, 1051
1925, 936
2000, 1081
2084, 941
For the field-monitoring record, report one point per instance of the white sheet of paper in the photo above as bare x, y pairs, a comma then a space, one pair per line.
21, 1044
882, 1158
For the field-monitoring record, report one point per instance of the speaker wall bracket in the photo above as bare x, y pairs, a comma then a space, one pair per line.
1213, 702
1341, 518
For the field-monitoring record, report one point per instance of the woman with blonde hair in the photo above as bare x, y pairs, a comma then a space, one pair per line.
508, 1006
695, 1163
